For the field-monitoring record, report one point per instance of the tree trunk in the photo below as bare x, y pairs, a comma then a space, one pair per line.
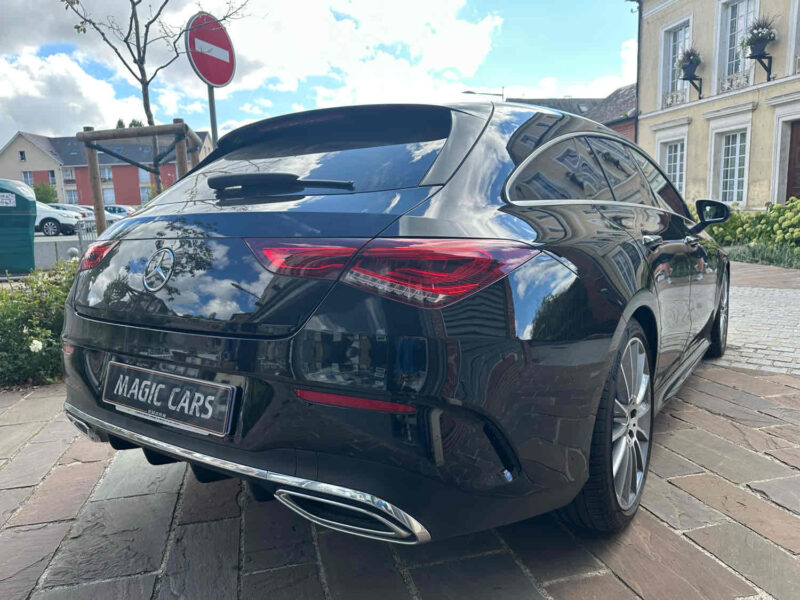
148, 113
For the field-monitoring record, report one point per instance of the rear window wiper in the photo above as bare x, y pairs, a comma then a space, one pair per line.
284, 183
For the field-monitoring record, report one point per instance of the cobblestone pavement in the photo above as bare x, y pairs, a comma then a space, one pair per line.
764, 330
720, 520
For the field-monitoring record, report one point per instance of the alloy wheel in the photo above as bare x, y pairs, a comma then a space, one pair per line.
50, 228
631, 429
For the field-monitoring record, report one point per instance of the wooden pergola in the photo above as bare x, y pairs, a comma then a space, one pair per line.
178, 130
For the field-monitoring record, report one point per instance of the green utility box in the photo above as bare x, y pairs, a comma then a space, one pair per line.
17, 217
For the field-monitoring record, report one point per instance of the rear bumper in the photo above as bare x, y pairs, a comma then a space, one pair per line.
401, 527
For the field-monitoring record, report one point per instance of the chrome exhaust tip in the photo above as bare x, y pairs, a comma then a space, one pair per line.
348, 518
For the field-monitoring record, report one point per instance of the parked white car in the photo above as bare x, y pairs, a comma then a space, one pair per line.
52, 221
87, 212
121, 210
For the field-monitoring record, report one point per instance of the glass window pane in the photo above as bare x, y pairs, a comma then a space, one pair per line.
566, 171
108, 195
663, 190
621, 171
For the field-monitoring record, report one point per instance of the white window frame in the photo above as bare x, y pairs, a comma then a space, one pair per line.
105, 198
665, 73
68, 175
142, 189
144, 176
722, 122
25, 179
110, 177
721, 45
668, 132
69, 192
793, 39
787, 109
51, 175
680, 184
734, 140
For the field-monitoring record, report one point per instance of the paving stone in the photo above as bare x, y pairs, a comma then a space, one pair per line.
722, 457
790, 456
85, 450
748, 383
448, 549
665, 463
357, 568
138, 587
789, 415
31, 464
275, 537
658, 564
730, 394
600, 587
787, 432
787, 380
209, 501
11, 500
24, 554
744, 507
131, 475
58, 429
8, 399
675, 506
203, 562
13, 437
547, 549
666, 422
741, 435
727, 409
33, 409
758, 560
54, 390
61, 495
114, 538
298, 582
494, 576
789, 400
785, 492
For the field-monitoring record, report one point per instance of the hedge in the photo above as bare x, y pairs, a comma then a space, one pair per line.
31, 320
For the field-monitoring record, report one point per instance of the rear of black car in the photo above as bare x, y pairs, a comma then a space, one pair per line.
262, 319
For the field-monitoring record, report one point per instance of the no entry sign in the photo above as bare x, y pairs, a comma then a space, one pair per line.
210, 50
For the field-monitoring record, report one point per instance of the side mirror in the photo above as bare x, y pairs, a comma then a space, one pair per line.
709, 212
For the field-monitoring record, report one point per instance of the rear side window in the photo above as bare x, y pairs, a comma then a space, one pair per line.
565, 171
664, 191
622, 172
373, 150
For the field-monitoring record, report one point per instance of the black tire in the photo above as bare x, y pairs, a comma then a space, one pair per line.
50, 227
67, 230
598, 507
719, 331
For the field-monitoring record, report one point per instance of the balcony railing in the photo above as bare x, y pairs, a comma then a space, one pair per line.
676, 97
735, 81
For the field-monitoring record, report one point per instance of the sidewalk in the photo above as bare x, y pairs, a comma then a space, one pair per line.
720, 517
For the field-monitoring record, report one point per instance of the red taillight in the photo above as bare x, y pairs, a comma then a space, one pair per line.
94, 254
315, 258
434, 272
354, 402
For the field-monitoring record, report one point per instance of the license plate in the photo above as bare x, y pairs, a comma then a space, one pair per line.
182, 402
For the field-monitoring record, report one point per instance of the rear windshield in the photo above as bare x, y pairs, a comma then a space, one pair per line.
373, 150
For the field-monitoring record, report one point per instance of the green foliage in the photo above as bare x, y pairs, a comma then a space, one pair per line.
120, 124
31, 320
135, 123
771, 236
45, 193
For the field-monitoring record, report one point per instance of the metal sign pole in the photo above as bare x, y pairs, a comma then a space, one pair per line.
212, 109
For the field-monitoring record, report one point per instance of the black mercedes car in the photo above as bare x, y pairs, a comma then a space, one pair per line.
404, 322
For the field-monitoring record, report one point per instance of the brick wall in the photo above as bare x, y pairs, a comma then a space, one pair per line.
41, 177
626, 128
126, 184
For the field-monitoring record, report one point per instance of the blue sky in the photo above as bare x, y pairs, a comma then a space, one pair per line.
295, 56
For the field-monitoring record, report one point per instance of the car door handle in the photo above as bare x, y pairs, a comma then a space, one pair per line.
691, 240
652, 241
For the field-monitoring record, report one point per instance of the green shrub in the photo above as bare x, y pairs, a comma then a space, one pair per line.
778, 224
781, 255
31, 320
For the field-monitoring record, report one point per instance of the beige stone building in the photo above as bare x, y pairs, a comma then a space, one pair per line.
740, 142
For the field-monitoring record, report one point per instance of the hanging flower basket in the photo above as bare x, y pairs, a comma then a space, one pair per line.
687, 62
760, 33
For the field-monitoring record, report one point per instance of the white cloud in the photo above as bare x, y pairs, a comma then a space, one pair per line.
600, 87
55, 96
